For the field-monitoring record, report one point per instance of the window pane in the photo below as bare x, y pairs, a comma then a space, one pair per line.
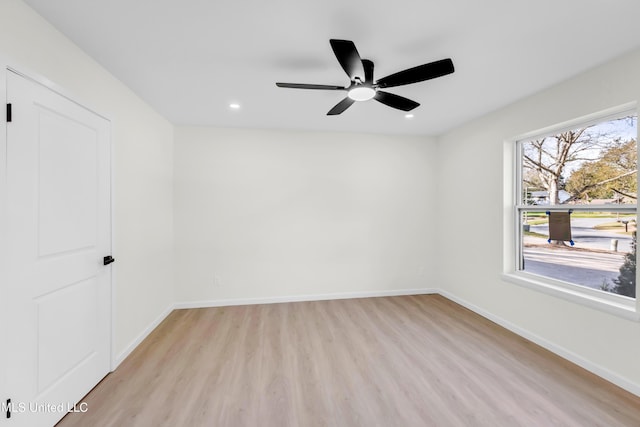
603, 256
593, 164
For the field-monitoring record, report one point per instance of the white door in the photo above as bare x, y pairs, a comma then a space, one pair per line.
59, 229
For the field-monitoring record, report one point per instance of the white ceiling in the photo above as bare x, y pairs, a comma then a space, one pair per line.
190, 58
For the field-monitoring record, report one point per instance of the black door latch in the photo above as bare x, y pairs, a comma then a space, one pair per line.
108, 260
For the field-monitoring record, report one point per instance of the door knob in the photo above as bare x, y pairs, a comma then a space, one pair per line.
108, 260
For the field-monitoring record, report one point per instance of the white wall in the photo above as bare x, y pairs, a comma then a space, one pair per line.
268, 214
143, 146
262, 214
472, 184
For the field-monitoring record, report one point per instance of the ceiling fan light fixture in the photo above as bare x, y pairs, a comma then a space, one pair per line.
362, 93
363, 86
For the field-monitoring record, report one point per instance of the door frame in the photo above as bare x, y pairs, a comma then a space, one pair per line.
4, 394
10, 66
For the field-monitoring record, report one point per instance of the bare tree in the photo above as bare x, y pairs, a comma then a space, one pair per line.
546, 161
549, 157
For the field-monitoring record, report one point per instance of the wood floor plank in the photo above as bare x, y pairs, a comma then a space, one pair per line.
394, 361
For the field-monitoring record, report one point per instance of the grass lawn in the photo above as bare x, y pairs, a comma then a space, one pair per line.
600, 215
618, 227
538, 218
537, 221
534, 234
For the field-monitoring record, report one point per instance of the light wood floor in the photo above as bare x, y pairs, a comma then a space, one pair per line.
397, 361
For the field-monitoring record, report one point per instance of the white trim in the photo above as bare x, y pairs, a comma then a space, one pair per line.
114, 267
297, 298
587, 120
554, 348
592, 298
3, 222
141, 337
577, 208
253, 301
52, 86
513, 234
10, 66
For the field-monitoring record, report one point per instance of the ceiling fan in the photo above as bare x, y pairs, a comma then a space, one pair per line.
364, 88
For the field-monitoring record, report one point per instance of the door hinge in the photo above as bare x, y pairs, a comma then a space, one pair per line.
9, 115
8, 408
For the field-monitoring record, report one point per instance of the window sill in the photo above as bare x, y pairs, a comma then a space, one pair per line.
612, 304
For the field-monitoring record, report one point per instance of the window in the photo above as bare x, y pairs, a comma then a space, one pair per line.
583, 179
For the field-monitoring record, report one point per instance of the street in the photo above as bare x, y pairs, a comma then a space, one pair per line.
585, 236
583, 267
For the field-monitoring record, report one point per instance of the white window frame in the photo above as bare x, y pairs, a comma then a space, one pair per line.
606, 301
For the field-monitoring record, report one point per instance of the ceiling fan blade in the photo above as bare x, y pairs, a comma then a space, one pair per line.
308, 86
368, 71
395, 101
348, 57
341, 106
418, 74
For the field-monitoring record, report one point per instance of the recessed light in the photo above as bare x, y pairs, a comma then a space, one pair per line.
234, 106
408, 116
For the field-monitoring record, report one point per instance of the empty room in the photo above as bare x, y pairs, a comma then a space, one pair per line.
218, 213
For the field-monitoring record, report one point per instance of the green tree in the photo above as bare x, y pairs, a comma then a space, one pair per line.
612, 175
625, 284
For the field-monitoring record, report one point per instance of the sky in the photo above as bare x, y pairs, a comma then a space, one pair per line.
622, 129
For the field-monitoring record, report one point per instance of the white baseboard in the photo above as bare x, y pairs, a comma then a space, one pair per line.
251, 301
295, 298
136, 342
554, 348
